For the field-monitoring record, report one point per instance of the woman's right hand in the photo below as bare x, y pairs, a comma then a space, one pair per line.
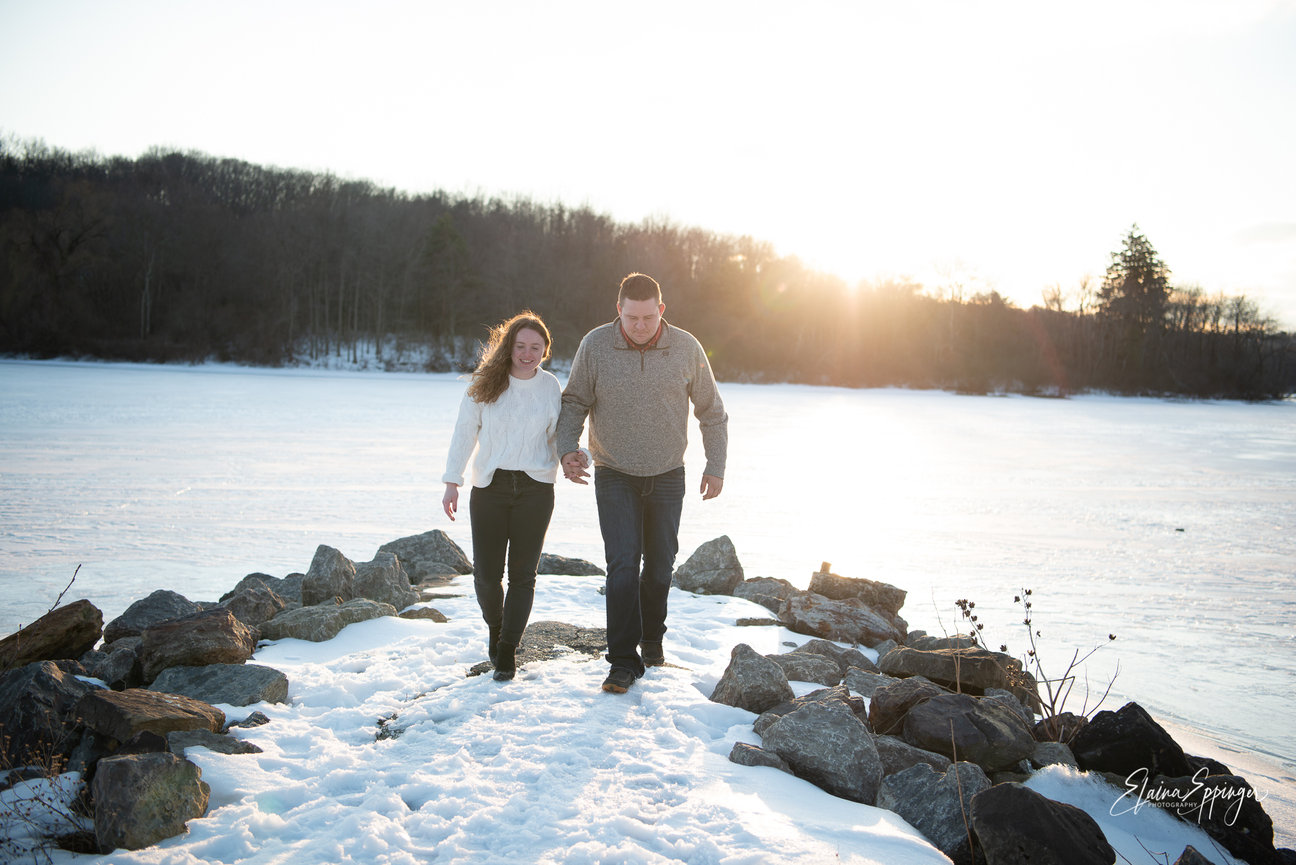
450, 501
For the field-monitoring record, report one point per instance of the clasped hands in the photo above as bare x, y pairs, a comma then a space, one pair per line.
575, 466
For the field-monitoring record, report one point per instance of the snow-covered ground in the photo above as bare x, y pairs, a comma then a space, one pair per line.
547, 768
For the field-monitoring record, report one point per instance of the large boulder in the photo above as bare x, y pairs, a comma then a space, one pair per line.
879, 596
1126, 741
118, 667
323, 622
963, 727
808, 667
431, 554
64, 632
120, 715
890, 703
937, 804
769, 592
210, 637
385, 581
287, 588
825, 744
1015, 825
231, 684
38, 714
898, 755
254, 604
865, 683
713, 569
849, 620
161, 606
845, 657
330, 578
140, 799
751, 681
551, 563
970, 671
835, 694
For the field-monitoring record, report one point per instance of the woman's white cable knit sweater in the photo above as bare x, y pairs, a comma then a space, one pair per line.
517, 431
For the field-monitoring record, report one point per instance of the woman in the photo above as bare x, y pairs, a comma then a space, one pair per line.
510, 413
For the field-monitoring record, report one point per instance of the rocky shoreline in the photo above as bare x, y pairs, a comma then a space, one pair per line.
946, 735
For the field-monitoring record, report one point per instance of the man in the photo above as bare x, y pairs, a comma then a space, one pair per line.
634, 378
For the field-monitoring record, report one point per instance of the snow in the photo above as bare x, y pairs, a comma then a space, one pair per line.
546, 768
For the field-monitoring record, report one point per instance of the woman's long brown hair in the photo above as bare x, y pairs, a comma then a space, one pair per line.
491, 378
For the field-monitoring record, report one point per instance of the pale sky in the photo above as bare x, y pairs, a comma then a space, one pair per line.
1005, 145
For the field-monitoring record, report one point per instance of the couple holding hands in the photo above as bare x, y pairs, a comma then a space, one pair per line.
634, 378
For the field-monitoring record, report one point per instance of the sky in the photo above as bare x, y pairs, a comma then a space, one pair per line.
1006, 146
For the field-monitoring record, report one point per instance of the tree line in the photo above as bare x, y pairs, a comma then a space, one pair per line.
184, 256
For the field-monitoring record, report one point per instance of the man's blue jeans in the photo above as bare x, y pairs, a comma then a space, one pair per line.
639, 518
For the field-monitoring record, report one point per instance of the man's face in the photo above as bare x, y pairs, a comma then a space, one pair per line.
640, 318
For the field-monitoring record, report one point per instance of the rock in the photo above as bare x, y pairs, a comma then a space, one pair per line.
749, 755
920, 640
384, 580
808, 667
751, 682
825, 744
161, 606
963, 727
848, 620
37, 714
64, 632
331, 577
713, 569
897, 755
143, 742
890, 703
256, 719
758, 623
1224, 806
254, 604
769, 592
835, 694
119, 715
1212, 767
845, 657
875, 595
288, 589
1063, 727
1127, 740
319, 623
428, 613
211, 637
865, 683
431, 554
1190, 856
884, 648
543, 641
1015, 825
141, 799
555, 564
233, 684
181, 740
970, 671
937, 805
1009, 699
119, 667
1052, 754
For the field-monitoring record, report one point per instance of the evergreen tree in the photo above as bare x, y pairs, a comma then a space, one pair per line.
1137, 285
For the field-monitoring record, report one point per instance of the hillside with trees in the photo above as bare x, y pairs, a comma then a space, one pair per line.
185, 257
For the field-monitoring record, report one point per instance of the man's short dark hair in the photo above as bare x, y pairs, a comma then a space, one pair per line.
639, 286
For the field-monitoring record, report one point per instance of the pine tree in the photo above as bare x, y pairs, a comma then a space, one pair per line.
1137, 285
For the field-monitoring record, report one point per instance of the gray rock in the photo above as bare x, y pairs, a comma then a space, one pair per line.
963, 727
769, 592
254, 604
210, 637
922, 640
1051, 754
937, 805
1015, 825
120, 715
233, 684
713, 569
431, 554
180, 741
323, 622
430, 613
884, 648
1009, 699
825, 744
898, 755
140, 799
555, 564
118, 667
384, 580
161, 606
844, 656
865, 683
331, 577
1126, 741
878, 596
544, 641
891, 702
965, 670
749, 755
1191, 856
835, 694
751, 682
808, 667
846, 620
38, 713
64, 632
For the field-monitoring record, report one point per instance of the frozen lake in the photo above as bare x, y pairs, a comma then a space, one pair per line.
1168, 523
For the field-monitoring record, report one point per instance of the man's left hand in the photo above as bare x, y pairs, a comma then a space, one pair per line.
711, 486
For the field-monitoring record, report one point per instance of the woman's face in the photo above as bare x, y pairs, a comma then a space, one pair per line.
528, 351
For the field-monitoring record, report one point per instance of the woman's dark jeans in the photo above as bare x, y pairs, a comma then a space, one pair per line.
640, 518
509, 520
